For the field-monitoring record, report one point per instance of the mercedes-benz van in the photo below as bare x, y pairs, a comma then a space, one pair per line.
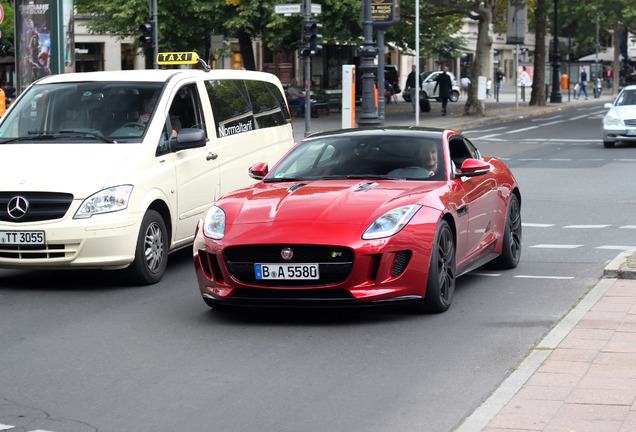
112, 170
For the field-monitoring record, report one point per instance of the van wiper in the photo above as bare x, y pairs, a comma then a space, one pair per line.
80, 133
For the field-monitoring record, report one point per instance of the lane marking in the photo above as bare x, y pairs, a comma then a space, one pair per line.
586, 226
556, 246
486, 274
628, 226
536, 225
522, 130
616, 247
544, 277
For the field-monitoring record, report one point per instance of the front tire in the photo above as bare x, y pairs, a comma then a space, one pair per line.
151, 253
440, 285
608, 144
511, 251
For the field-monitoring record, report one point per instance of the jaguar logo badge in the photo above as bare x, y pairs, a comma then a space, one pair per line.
287, 254
17, 207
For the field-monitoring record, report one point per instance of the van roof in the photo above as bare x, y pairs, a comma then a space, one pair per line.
157, 75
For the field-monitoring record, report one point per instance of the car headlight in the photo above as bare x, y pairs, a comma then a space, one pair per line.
611, 120
105, 201
391, 223
214, 223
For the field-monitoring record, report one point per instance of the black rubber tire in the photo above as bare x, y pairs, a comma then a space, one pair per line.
454, 97
511, 252
608, 144
440, 285
151, 253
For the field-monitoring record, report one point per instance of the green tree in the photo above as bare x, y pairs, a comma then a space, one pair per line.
8, 30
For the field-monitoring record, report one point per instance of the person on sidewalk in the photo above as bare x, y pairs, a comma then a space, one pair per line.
488, 87
445, 86
410, 84
295, 97
582, 83
500, 78
523, 81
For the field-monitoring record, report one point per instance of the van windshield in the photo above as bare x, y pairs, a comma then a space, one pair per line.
82, 111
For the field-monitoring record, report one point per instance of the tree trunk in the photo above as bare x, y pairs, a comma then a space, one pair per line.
245, 42
481, 61
538, 82
616, 65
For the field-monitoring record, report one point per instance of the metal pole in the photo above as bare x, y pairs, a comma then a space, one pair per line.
369, 116
381, 84
517, 77
415, 93
555, 96
307, 60
155, 35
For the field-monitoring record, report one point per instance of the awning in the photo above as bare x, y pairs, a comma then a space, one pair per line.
606, 55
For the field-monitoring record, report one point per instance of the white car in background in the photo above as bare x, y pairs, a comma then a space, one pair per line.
619, 124
427, 87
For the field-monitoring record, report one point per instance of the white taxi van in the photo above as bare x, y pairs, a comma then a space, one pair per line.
112, 170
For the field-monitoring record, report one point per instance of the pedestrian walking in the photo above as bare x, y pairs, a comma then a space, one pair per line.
445, 86
410, 85
499, 77
582, 83
464, 83
488, 87
523, 81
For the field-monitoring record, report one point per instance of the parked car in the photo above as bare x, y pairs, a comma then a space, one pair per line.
361, 217
619, 124
112, 170
427, 87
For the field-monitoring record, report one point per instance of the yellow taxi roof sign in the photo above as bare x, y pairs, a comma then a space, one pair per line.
177, 58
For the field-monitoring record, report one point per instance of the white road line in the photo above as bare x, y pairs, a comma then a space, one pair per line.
4, 427
556, 246
529, 159
625, 160
544, 277
613, 247
487, 130
536, 225
521, 130
553, 123
628, 226
548, 118
586, 226
486, 274
584, 116
559, 160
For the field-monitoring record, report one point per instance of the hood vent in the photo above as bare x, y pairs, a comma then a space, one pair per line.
295, 187
366, 186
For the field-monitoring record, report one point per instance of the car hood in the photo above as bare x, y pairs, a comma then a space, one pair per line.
626, 112
327, 201
80, 169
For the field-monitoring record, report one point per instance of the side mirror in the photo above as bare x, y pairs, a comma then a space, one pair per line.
608, 105
259, 170
188, 138
473, 168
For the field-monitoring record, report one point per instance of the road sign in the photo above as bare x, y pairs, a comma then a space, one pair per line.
287, 9
1, 14
316, 8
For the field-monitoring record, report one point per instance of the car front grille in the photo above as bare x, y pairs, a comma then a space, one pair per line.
49, 251
42, 206
335, 263
630, 122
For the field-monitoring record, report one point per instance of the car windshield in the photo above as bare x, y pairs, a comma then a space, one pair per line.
81, 112
627, 97
363, 157
427, 75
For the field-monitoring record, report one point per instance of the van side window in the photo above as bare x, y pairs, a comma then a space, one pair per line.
231, 106
268, 104
185, 110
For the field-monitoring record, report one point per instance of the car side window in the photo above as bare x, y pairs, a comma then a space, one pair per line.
459, 151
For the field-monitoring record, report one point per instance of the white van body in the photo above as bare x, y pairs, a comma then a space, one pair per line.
86, 183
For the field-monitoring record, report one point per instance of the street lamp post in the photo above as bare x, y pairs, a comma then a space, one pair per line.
555, 95
369, 115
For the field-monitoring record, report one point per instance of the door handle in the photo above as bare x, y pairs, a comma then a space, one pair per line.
211, 156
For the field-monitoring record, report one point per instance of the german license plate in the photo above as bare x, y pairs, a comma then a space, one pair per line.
630, 132
286, 271
22, 238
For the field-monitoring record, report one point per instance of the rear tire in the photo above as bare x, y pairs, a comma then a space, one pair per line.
454, 97
440, 285
608, 144
151, 253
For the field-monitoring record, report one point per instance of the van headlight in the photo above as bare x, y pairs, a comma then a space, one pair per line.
391, 222
214, 223
105, 201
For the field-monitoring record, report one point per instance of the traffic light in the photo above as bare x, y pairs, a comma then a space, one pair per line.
146, 33
310, 38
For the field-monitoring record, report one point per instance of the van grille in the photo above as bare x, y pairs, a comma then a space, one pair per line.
41, 206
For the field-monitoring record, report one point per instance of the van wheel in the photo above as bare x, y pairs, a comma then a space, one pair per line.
151, 253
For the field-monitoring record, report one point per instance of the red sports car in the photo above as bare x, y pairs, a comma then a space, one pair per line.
361, 217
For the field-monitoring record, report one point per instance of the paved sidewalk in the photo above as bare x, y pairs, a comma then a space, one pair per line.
582, 376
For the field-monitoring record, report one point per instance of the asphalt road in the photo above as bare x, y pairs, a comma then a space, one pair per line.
83, 351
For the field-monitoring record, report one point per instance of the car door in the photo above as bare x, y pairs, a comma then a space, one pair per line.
197, 170
480, 201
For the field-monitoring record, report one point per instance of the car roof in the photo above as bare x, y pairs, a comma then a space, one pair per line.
156, 75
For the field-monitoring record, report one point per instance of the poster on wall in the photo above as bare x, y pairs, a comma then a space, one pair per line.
44, 39
33, 41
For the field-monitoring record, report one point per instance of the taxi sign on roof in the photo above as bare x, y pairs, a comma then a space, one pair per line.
177, 58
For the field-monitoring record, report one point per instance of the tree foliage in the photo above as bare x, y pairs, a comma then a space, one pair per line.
8, 30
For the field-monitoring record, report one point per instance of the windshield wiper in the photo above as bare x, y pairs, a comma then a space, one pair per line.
80, 133
28, 138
